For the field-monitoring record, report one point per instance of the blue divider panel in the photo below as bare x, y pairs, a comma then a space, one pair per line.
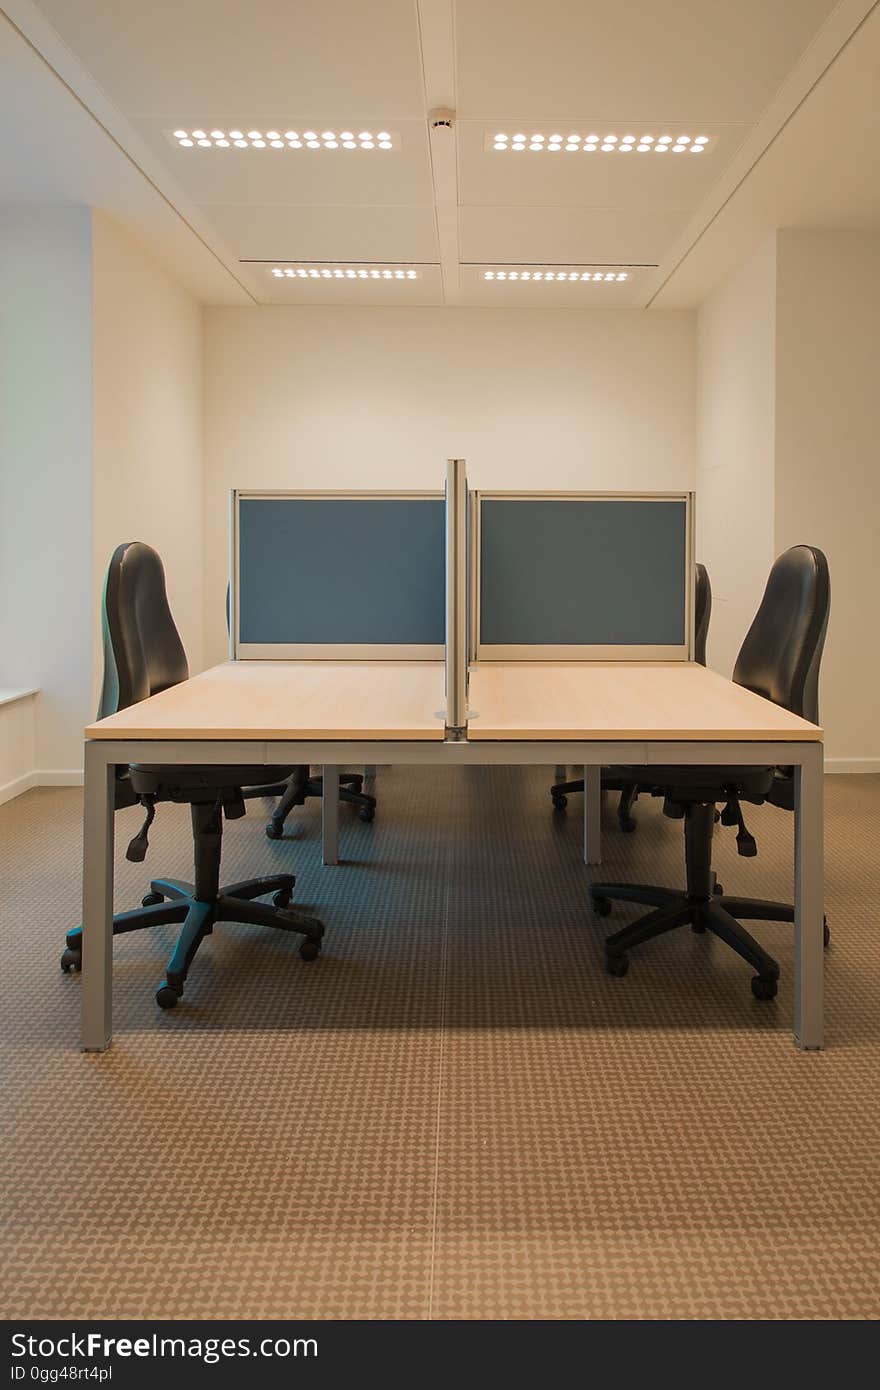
583, 572
346, 570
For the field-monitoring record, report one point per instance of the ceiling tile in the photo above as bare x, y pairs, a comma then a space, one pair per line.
296, 176
255, 232
179, 58
630, 60
582, 236
596, 179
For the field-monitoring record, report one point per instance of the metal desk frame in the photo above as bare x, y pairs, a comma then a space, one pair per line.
102, 755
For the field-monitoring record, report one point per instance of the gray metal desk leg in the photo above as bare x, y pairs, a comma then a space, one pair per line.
330, 815
560, 772
97, 953
808, 900
592, 815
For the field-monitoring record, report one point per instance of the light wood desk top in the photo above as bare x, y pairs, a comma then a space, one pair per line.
400, 700
679, 701
291, 700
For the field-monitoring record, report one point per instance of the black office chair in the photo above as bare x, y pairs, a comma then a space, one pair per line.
301, 785
143, 655
629, 790
780, 660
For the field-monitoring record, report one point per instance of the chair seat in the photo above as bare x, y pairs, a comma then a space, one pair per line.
150, 780
697, 783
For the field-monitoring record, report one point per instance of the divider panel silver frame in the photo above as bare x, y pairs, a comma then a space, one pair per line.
585, 652
316, 651
456, 598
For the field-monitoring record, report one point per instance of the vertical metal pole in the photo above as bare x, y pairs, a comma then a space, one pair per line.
690, 574
808, 899
233, 574
456, 596
97, 918
592, 815
330, 815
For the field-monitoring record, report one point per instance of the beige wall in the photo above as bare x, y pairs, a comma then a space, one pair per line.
736, 405
788, 451
147, 334
828, 462
325, 397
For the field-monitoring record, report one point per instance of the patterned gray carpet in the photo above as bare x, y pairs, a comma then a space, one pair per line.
454, 1113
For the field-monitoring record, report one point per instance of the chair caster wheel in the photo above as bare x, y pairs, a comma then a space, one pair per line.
168, 995
718, 890
764, 989
616, 964
627, 824
282, 898
826, 932
71, 960
309, 950
559, 802
274, 831
601, 906
367, 813
151, 900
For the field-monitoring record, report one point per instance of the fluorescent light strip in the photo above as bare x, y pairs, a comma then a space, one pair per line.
285, 139
305, 271
557, 274
537, 142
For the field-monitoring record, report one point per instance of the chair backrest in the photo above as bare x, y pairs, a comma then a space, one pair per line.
702, 612
782, 651
143, 653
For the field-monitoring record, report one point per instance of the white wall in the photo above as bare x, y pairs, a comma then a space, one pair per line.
380, 398
147, 334
46, 472
736, 409
828, 462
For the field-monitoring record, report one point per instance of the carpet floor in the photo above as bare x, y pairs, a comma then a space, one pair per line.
455, 1112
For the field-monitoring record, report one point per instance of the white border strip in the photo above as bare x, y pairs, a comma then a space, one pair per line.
328, 651
64, 777
10, 696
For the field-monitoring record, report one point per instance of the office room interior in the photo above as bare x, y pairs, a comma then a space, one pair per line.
596, 253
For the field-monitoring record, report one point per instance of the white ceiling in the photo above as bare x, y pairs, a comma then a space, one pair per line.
128, 73
819, 171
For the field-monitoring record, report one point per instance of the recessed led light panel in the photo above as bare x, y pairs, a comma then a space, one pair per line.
596, 142
344, 272
557, 274
262, 139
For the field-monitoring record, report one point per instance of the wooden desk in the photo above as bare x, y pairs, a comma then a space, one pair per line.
338, 713
622, 700
247, 700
